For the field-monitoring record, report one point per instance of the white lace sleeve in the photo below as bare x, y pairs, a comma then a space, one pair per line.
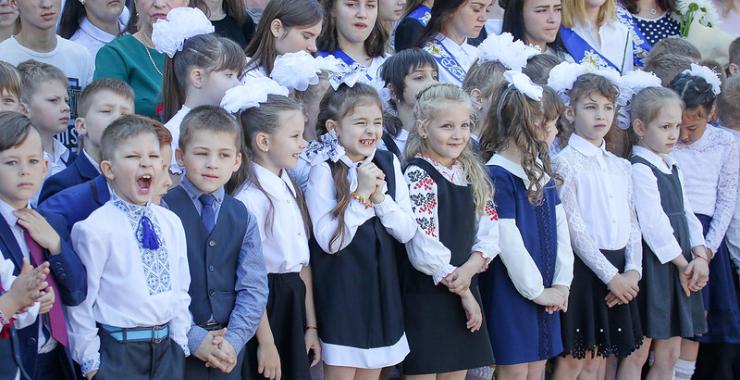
633, 251
726, 196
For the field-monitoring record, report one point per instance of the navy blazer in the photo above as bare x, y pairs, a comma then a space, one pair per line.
78, 202
79, 171
67, 269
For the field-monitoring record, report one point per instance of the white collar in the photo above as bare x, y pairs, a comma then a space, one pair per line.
514, 168
658, 160
97, 33
271, 183
585, 147
61, 153
8, 213
94, 163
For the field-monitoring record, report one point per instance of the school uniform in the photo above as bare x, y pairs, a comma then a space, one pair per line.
370, 73
360, 323
411, 28
669, 228
76, 203
60, 159
597, 195
10, 350
173, 125
286, 253
450, 231
229, 284
82, 169
454, 60
535, 254
614, 48
43, 344
395, 144
134, 321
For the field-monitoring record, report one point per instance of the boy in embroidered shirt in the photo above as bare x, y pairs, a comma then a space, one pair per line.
100, 103
229, 288
10, 88
46, 103
134, 322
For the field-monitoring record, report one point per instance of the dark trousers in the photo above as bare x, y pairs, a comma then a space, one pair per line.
715, 361
164, 360
195, 369
53, 365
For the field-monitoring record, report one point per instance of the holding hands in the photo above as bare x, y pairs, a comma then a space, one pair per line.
217, 352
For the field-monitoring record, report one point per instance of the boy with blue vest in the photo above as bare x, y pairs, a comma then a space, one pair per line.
229, 279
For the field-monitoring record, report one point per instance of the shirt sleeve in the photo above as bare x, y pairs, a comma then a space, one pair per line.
696, 230
321, 199
487, 234
426, 253
28, 317
110, 64
183, 320
564, 260
726, 197
633, 251
396, 215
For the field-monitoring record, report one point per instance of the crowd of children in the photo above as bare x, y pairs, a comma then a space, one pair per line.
391, 189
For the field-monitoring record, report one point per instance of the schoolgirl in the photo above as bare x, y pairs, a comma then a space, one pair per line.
359, 204
91, 25
457, 238
709, 158
532, 274
446, 35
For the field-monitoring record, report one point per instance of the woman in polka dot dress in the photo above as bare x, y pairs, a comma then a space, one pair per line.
653, 18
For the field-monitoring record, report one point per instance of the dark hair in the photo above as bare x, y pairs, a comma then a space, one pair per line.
33, 73
441, 13
115, 86
538, 67
125, 128
728, 104
233, 8
666, 5
674, 45
513, 23
667, 66
410, 6
208, 118
207, 51
15, 129
291, 13
328, 40
694, 91
735, 51
395, 69
72, 14
10, 79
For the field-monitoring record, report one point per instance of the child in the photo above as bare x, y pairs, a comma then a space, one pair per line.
674, 45
535, 23
360, 208
287, 341
389, 12
596, 192
529, 282
102, 102
229, 283
667, 66
445, 38
44, 99
416, 16
538, 67
457, 238
405, 74
286, 26
136, 308
93, 26
10, 88
675, 264
709, 160
27, 234
729, 116
733, 68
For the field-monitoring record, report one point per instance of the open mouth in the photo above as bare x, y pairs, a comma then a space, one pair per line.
367, 142
144, 183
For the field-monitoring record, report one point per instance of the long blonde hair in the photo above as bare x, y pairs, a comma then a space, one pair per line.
574, 12
429, 103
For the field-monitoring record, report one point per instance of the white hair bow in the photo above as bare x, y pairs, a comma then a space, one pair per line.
251, 93
182, 23
503, 48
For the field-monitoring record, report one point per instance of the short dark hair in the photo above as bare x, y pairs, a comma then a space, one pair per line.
212, 119
735, 51
115, 86
667, 66
34, 73
14, 129
396, 67
674, 45
125, 128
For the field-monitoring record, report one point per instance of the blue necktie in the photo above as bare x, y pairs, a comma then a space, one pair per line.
207, 213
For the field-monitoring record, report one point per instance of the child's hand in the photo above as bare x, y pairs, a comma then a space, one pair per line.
39, 229
684, 276
565, 292
472, 311
47, 300
550, 297
268, 361
378, 196
27, 287
459, 280
622, 288
699, 270
207, 349
90, 375
367, 178
312, 344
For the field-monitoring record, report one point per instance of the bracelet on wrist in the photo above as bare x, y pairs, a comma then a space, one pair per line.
699, 256
365, 202
311, 328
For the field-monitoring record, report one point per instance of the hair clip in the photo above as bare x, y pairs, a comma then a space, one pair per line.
297, 71
524, 84
182, 23
707, 74
251, 93
503, 48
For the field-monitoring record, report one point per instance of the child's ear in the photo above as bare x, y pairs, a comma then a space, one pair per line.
197, 77
476, 96
421, 129
25, 109
46, 168
262, 142
639, 127
238, 162
276, 28
733, 69
394, 95
570, 114
105, 168
713, 113
178, 156
330, 125
80, 126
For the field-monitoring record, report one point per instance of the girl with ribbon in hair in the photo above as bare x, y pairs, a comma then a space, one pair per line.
528, 283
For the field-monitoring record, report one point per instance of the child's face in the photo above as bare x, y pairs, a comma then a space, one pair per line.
693, 124
417, 80
209, 159
469, 18
541, 20
163, 181
106, 107
42, 14
48, 107
9, 101
355, 19
592, 115
285, 145
216, 84
661, 134
360, 130
133, 169
447, 133
22, 170
390, 10
295, 39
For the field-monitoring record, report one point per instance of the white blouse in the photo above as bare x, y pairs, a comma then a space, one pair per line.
281, 226
614, 43
710, 167
733, 232
426, 252
654, 223
464, 54
321, 199
173, 125
596, 193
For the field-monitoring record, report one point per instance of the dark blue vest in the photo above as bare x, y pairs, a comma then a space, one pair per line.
213, 257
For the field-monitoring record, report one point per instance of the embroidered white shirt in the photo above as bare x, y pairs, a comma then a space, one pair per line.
614, 43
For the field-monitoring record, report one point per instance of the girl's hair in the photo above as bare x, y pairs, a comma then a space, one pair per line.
485, 77
207, 51
292, 14
513, 23
10, 79
410, 6
430, 102
516, 119
646, 106
336, 105
574, 12
72, 13
328, 40
441, 13
538, 67
583, 87
233, 8
694, 91
266, 119
666, 5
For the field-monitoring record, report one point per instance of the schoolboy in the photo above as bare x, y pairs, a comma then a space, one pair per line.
223, 245
134, 322
27, 233
100, 103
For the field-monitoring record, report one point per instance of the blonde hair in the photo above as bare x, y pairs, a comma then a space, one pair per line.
646, 106
429, 103
574, 12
